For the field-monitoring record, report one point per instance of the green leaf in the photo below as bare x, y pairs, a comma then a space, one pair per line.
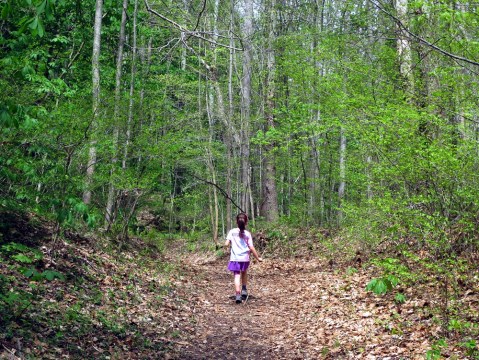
10, 247
51, 274
371, 285
33, 23
22, 258
27, 70
5, 118
400, 298
41, 7
41, 28
6, 10
33, 274
392, 280
433, 354
30, 272
381, 287
49, 10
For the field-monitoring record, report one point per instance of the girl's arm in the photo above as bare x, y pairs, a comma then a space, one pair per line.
227, 242
253, 250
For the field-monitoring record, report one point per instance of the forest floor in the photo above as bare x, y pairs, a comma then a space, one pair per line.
137, 304
302, 308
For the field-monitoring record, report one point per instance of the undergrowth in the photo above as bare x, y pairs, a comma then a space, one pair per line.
82, 298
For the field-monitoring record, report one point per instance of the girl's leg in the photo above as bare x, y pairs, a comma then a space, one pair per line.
244, 278
237, 282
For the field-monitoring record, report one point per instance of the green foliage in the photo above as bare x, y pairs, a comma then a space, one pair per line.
49, 275
351, 271
471, 347
436, 350
394, 273
400, 298
393, 266
156, 239
15, 299
21, 253
381, 286
410, 156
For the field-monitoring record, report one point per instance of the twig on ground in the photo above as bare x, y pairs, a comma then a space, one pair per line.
11, 353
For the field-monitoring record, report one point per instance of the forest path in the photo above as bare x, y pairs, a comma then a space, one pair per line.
298, 309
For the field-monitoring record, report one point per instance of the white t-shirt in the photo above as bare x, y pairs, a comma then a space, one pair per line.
240, 246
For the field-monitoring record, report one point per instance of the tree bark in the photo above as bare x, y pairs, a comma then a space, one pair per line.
246, 106
229, 138
114, 160
404, 47
132, 88
342, 172
269, 206
210, 166
96, 99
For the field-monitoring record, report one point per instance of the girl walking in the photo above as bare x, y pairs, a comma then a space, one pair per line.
241, 243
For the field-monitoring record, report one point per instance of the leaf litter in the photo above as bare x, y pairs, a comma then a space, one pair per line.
130, 306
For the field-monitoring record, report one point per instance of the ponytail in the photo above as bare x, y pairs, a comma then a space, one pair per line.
241, 221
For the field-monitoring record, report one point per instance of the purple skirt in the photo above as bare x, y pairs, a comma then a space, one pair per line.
238, 266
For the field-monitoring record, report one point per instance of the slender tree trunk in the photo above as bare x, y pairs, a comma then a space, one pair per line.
214, 210
269, 206
132, 88
96, 99
246, 105
114, 160
369, 190
229, 139
315, 165
183, 48
404, 47
342, 172
145, 57
210, 165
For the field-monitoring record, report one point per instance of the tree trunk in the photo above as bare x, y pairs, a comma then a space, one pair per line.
132, 88
404, 47
269, 206
246, 106
210, 166
342, 173
114, 160
96, 100
214, 210
183, 48
229, 139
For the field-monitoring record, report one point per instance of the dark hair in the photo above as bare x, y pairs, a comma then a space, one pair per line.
241, 220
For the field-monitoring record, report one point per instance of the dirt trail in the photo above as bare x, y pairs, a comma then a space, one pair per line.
298, 309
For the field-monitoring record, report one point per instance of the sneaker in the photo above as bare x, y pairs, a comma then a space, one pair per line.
244, 293
238, 298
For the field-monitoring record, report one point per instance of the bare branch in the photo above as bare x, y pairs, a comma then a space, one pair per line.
225, 194
185, 30
199, 16
420, 39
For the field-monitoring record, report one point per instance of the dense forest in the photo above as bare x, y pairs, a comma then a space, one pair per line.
346, 129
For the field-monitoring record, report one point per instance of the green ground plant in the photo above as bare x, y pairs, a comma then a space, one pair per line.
21, 290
